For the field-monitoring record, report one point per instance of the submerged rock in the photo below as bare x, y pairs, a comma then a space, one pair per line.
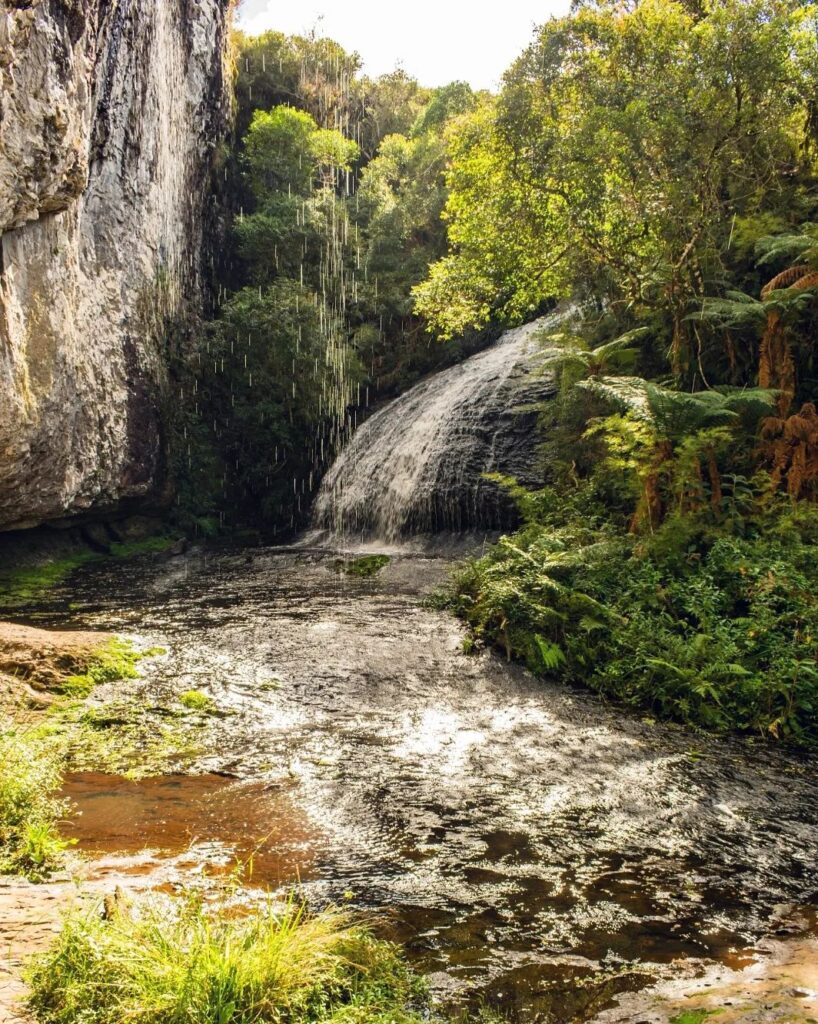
108, 119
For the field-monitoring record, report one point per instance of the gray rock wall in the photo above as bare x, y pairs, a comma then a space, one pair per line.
110, 111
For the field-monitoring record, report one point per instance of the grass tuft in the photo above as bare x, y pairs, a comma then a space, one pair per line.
30, 777
176, 961
195, 700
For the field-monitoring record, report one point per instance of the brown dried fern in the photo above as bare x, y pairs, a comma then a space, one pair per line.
785, 279
790, 451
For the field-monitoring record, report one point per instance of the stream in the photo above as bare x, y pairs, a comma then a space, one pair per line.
527, 842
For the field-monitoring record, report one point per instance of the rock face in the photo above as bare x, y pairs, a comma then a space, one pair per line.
418, 465
110, 113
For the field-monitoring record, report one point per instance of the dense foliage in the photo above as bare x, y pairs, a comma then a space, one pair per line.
634, 154
336, 186
656, 165
706, 625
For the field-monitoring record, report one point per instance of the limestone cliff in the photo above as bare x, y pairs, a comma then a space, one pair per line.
110, 112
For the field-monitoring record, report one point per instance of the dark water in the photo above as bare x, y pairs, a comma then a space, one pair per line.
526, 840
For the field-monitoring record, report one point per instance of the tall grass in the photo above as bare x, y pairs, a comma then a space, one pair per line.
30, 776
176, 961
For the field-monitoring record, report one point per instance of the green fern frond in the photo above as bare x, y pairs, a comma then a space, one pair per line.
628, 394
551, 655
803, 245
735, 310
624, 341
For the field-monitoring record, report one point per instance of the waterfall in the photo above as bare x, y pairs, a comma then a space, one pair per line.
417, 465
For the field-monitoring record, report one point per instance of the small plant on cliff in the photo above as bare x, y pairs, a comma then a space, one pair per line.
173, 961
30, 777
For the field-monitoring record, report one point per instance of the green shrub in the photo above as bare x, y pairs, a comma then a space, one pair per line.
30, 777
176, 962
694, 623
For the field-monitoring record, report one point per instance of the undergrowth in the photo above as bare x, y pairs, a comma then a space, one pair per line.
712, 627
178, 961
30, 810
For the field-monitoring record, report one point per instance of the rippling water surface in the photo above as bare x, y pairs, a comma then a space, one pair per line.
525, 839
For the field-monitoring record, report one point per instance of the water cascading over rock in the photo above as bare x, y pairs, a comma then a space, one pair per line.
110, 113
418, 465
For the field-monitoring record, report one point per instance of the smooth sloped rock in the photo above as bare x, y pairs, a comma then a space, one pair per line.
418, 465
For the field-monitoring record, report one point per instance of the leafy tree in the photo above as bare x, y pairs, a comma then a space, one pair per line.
263, 381
285, 149
398, 211
623, 144
309, 72
445, 103
388, 105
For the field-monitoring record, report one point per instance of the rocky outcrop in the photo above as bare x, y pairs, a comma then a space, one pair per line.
35, 663
419, 464
110, 112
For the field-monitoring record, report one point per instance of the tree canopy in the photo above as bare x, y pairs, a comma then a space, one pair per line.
624, 145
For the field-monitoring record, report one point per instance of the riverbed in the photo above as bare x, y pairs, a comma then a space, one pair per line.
527, 842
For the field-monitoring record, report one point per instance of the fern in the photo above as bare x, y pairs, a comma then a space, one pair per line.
736, 310
572, 354
677, 413
628, 394
552, 656
803, 245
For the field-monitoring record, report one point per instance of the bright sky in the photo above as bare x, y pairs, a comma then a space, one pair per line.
436, 41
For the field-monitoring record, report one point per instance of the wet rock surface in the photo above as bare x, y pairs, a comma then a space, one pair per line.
526, 841
777, 984
418, 465
35, 662
29, 919
109, 115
